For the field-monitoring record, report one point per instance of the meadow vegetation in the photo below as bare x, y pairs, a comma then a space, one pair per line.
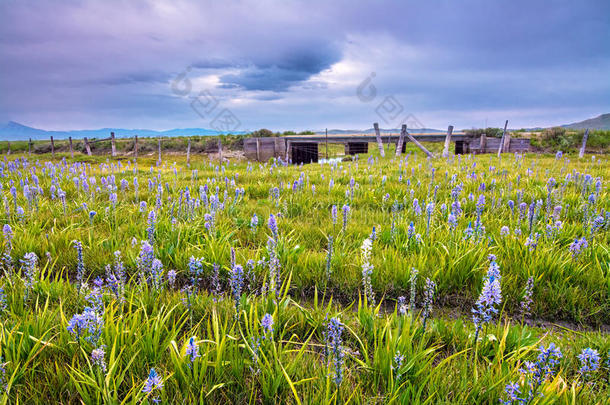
470, 279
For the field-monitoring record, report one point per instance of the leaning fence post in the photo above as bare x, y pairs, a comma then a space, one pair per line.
379, 141
52, 147
113, 144
87, 147
447, 141
584, 143
502, 140
401, 140
71, 150
188, 153
419, 145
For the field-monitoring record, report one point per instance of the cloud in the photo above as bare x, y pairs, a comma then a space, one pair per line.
279, 64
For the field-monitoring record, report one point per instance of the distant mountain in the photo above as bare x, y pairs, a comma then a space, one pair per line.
14, 131
601, 122
381, 130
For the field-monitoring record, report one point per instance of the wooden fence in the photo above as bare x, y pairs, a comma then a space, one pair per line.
88, 143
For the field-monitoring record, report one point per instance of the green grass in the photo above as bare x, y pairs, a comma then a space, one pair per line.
150, 326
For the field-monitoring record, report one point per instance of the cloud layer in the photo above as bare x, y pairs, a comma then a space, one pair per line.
288, 64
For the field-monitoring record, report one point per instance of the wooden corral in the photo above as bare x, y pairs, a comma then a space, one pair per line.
304, 149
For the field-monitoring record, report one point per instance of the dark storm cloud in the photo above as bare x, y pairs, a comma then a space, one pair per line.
84, 63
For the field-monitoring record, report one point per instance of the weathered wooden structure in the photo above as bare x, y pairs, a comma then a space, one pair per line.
304, 148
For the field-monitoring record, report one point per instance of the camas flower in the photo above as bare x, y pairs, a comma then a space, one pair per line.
192, 350
237, 282
401, 305
80, 265
491, 296
367, 270
346, 210
533, 375
578, 246
526, 302
429, 290
152, 385
253, 222
333, 214
97, 358
30, 270
267, 324
334, 349
273, 226
589, 362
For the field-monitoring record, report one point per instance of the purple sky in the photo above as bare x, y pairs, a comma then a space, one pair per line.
298, 65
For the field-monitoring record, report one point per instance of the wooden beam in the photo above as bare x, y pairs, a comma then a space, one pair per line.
258, 150
447, 141
87, 147
8, 151
584, 143
288, 151
135, 146
502, 140
188, 153
52, 147
401, 139
419, 145
113, 144
379, 141
30, 146
71, 150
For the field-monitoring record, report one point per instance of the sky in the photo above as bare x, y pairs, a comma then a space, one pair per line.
297, 65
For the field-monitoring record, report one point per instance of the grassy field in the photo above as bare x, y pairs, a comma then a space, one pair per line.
379, 280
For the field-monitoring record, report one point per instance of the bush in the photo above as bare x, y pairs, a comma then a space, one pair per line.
262, 133
490, 132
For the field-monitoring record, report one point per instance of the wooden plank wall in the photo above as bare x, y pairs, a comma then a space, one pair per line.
492, 144
267, 148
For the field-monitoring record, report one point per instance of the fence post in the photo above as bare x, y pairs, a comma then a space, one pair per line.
502, 140
258, 150
379, 141
159, 148
71, 150
135, 147
113, 144
288, 151
401, 139
483, 143
52, 147
447, 141
506, 144
188, 153
584, 143
8, 152
30, 146
87, 147
220, 150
